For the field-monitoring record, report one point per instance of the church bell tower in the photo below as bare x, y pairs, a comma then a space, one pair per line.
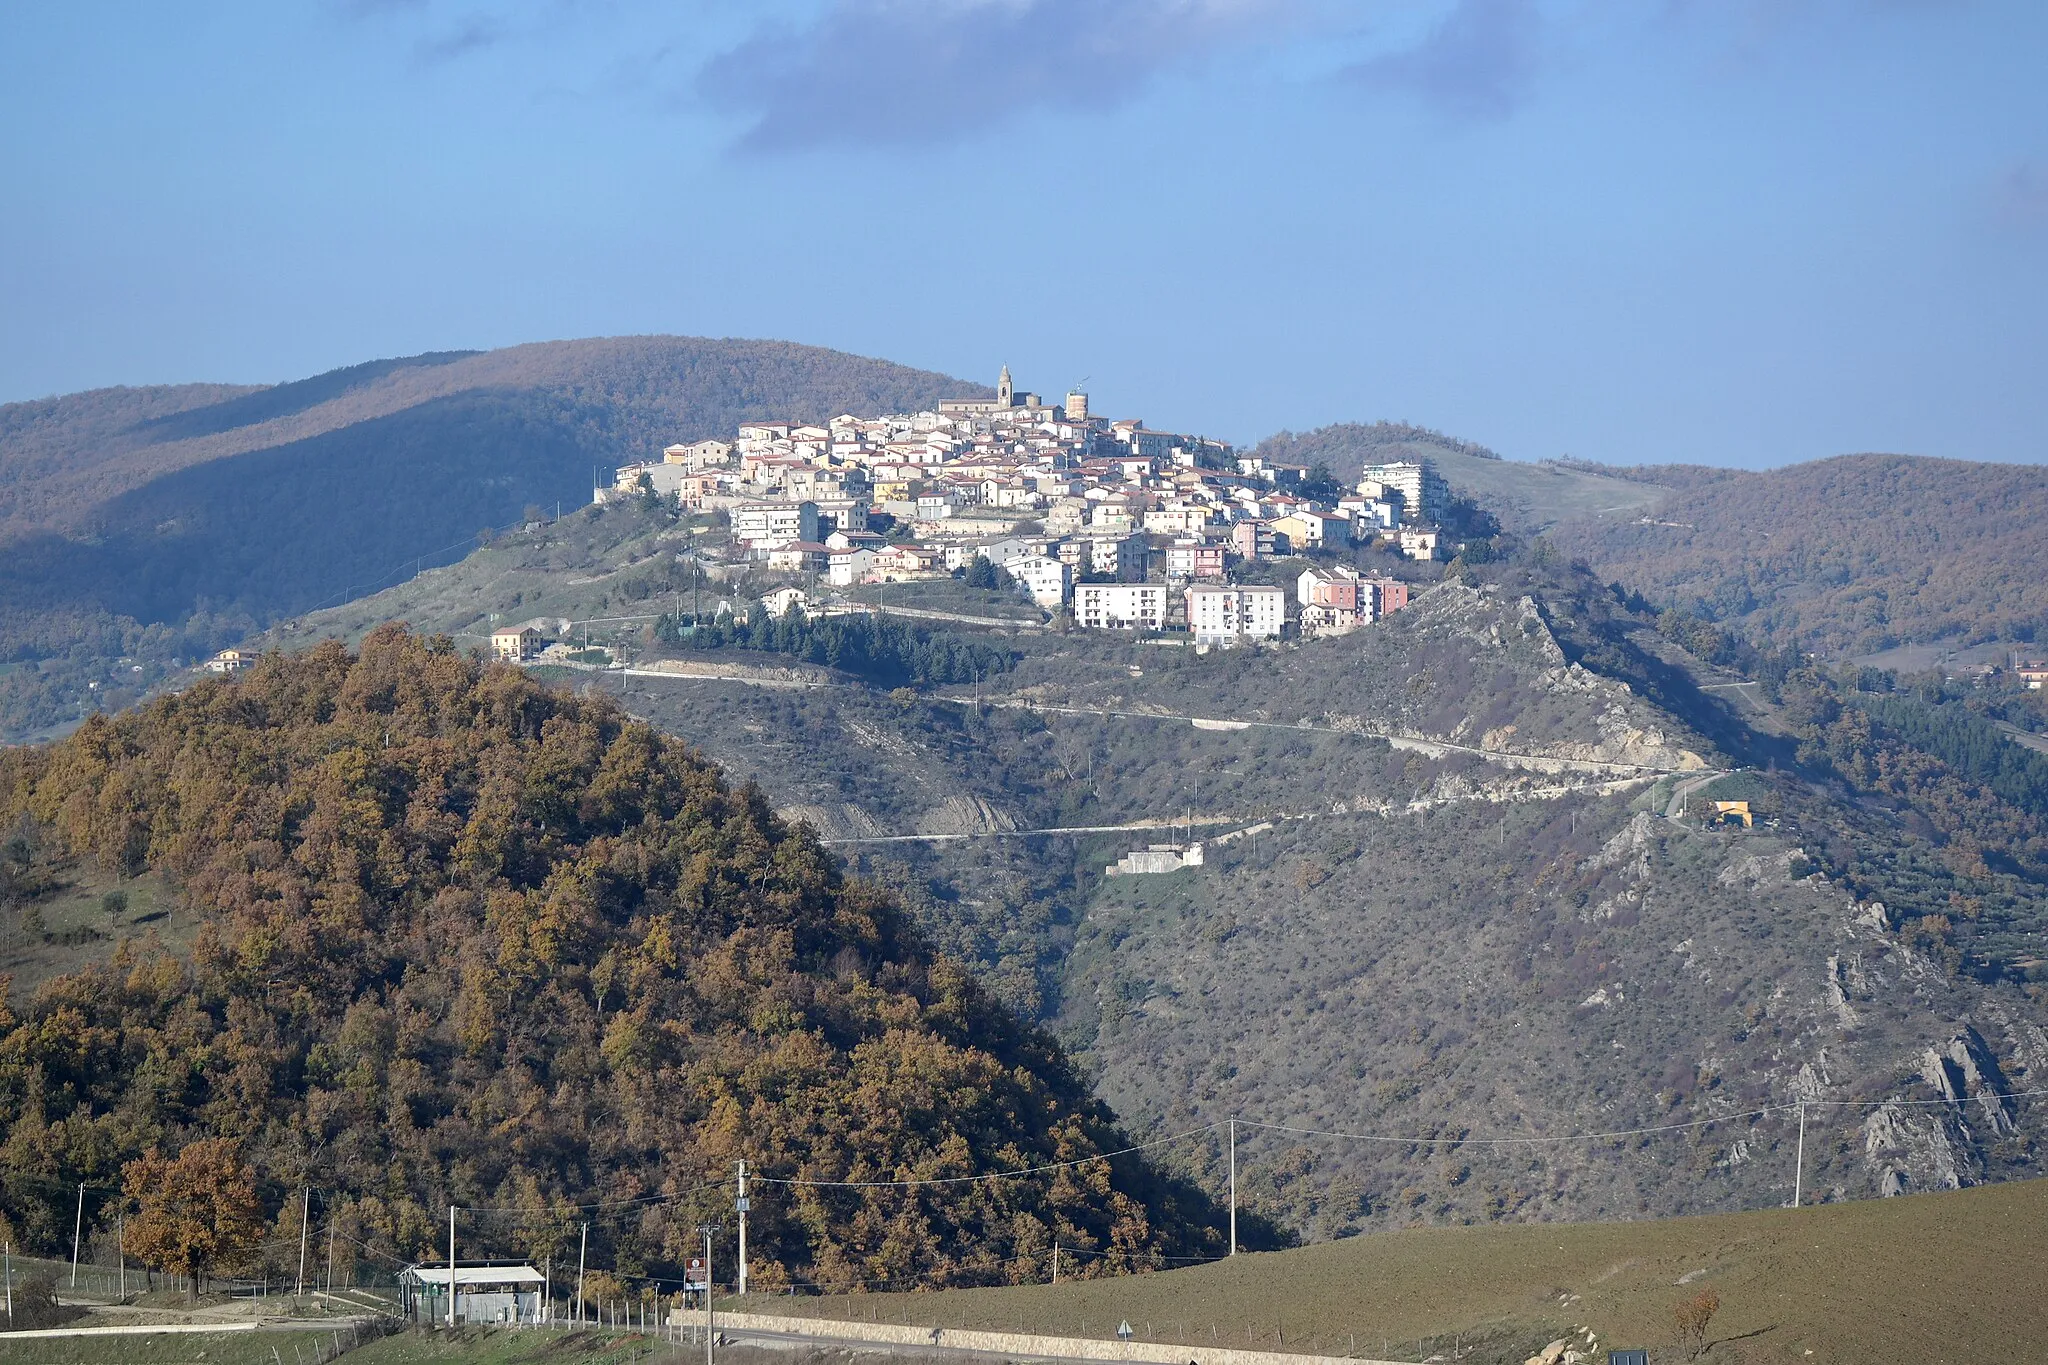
1004, 389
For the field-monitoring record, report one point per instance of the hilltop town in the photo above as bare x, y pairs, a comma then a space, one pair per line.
1106, 524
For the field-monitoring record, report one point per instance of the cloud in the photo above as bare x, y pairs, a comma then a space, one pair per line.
927, 71
2020, 197
1479, 62
370, 9
473, 34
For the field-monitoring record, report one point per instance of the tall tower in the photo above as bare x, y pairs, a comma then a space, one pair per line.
1003, 389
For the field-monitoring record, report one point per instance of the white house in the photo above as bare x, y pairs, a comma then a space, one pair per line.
797, 556
1419, 544
847, 567
781, 600
1049, 582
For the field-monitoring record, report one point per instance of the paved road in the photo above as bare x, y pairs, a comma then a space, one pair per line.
1419, 744
928, 614
803, 1341
1102, 1356
1248, 824
1676, 809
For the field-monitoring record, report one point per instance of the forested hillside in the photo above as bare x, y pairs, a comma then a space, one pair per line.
139, 526
464, 939
1849, 555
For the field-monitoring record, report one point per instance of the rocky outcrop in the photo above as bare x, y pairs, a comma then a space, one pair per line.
964, 815
1964, 1073
1911, 1150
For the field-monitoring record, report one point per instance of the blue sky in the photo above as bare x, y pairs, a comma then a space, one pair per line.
1726, 231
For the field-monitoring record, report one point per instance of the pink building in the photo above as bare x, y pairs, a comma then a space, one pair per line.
1194, 559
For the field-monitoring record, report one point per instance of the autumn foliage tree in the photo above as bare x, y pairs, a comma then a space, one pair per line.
1692, 1317
194, 1212
472, 941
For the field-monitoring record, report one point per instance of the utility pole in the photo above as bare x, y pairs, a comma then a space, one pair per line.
451, 1267
710, 1312
1055, 1262
8, 1258
305, 1213
1233, 1187
1799, 1159
741, 1207
581, 1250
77, 1230
330, 1250
121, 1250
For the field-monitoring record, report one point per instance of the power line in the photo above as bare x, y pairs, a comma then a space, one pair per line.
1532, 1140
638, 1201
1412, 1141
992, 1175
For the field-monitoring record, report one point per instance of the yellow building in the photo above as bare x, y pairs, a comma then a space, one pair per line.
516, 644
1729, 812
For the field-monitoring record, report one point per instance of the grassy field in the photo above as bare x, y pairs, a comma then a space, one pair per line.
1951, 1277
184, 1348
485, 1346
473, 1346
1534, 496
78, 916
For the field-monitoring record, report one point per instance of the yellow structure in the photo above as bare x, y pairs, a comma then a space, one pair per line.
516, 644
1727, 812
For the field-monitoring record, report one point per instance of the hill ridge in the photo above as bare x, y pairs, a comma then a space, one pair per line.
478, 942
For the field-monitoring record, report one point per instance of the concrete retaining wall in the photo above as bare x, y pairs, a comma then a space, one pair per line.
1010, 1343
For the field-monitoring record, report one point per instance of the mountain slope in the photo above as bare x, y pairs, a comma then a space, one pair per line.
1527, 498
1464, 896
1947, 1278
1853, 554
66, 457
158, 524
1467, 917
466, 940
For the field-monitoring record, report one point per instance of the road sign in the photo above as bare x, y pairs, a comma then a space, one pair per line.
743, 1203
694, 1277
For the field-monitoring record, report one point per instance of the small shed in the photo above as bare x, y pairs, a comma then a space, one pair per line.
483, 1293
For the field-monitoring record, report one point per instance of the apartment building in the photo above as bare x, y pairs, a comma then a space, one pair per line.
1227, 615
769, 523
1120, 606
